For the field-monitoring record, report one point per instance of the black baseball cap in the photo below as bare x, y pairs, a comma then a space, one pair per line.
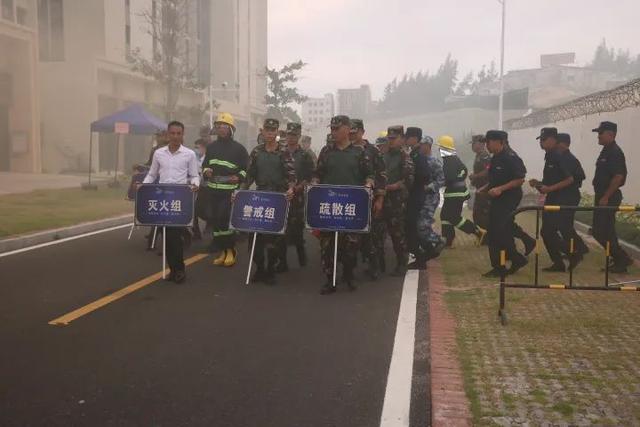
413, 131
547, 132
271, 124
497, 135
341, 120
606, 126
564, 138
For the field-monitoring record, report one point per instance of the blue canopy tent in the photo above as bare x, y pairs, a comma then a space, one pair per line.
134, 120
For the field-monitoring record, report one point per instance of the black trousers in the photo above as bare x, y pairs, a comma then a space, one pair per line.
451, 217
604, 228
501, 229
556, 234
175, 251
220, 203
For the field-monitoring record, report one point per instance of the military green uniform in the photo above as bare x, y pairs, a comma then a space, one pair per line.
399, 169
271, 171
303, 165
368, 246
481, 199
347, 166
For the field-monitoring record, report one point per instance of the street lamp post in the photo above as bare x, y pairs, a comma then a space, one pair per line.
501, 98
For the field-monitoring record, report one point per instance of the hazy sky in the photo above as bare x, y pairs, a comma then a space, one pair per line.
349, 42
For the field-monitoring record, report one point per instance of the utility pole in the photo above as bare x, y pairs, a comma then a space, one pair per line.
501, 100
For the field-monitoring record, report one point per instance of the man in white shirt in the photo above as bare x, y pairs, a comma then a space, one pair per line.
175, 164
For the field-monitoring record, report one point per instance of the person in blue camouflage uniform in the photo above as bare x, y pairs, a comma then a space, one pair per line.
272, 169
304, 165
367, 245
424, 198
399, 169
431, 242
341, 163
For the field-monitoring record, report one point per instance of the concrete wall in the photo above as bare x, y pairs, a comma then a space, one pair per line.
584, 144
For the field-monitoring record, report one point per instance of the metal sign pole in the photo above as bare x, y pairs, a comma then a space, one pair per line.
164, 251
253, 248
335, 258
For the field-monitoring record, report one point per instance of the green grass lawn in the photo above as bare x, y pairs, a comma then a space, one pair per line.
47, 209
564, 358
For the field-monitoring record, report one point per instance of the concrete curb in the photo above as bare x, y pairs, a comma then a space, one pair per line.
20, 242
583, 228
450, 406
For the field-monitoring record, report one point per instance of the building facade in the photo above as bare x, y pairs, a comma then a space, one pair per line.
317, 112
85, 73
355, 102
19, 94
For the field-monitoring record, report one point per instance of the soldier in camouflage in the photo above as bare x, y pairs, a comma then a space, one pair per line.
272, 169
380, 182
304, 165
305, 142
341, 163
399, 168
480, 178
431, 242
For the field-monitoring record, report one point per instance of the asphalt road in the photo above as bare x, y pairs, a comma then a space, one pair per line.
210, 352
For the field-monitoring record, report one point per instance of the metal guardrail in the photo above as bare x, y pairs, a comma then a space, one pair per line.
620, 286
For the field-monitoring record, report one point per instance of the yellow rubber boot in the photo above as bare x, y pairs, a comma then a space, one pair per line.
230, 259
221, 258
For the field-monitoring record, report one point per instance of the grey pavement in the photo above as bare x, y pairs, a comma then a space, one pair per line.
211, 352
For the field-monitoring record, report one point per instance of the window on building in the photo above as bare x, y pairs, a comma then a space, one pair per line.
51, 30
21, 16
127, 25
7, 10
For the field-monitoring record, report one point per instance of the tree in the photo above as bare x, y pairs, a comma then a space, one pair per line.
167, 23
280, 93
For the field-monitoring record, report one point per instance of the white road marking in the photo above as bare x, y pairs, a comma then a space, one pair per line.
66, 239
397, 398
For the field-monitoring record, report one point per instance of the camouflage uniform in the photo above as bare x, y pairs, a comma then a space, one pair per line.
349, 166
481, 201
303, 165
399, 169
426, 233
367, 241
271, 171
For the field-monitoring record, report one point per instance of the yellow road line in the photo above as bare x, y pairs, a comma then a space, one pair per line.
75, 314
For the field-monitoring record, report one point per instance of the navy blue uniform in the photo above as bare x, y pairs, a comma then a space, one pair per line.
610, 163
505, 167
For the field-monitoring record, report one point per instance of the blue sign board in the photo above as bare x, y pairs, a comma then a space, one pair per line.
164, 205
259, 212
338, 208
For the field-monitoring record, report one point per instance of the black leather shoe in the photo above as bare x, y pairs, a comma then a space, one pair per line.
180, 277
516, 266
492, 273
555, 268
171, 277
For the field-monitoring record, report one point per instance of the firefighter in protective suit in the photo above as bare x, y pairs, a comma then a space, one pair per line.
455, 194
224, 169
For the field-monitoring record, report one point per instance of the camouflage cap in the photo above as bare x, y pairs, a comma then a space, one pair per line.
294, 128
341, 120
306, 139
271, 124
477, 138
395, 131
382, 140
356, 125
